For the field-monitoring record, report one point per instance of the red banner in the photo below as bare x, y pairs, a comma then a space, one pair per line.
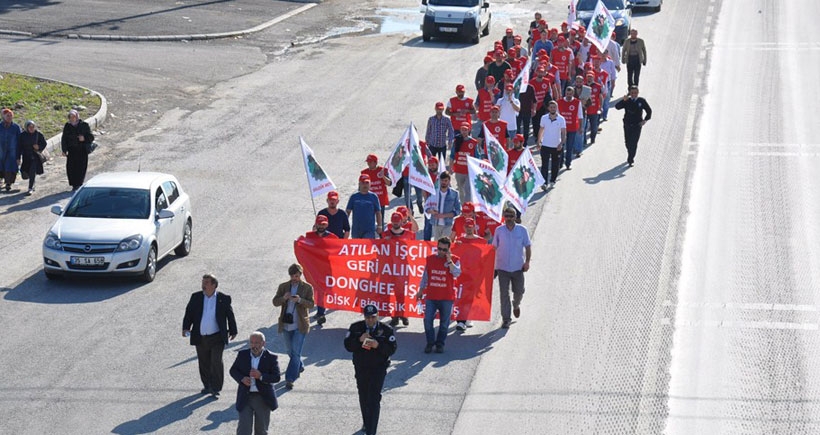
351, 273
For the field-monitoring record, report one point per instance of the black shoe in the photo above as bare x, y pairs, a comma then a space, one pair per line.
215, 394
8, 187
394, 321
320, 320
439, 348
302, 369
289, 385
428, 348
506, 324
205, 391
405, 321
517, 312
569, 168
631, 165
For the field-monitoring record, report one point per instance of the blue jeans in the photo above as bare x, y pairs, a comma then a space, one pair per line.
593, 126
569, 148
294, 340
428, 229
580, 137
605, 108
445, 309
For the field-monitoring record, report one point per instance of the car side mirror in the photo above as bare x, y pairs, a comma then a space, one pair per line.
486, 5
56, 209
165, 214
424, 2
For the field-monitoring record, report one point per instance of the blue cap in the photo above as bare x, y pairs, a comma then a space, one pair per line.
370, 310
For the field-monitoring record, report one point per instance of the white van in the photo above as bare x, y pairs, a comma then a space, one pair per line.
469, 19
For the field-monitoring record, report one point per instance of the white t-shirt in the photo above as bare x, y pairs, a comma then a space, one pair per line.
552, 130
508, 113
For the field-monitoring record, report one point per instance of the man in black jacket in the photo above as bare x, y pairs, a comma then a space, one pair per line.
256, 370
634, 120
210, 322
372, 344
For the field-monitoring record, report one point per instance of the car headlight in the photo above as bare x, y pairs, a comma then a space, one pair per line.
471, 14
619, 22
52, 241
130, 243
430, 12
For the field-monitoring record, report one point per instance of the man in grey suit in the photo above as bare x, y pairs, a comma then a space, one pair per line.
210, 323
256, 370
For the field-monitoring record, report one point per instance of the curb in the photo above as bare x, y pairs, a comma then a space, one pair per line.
165, 38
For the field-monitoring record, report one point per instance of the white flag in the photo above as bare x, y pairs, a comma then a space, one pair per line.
523, 79
399, 158
600, 27
318, 180
486, 186
418, 175
522, 181
496, 154
572, 15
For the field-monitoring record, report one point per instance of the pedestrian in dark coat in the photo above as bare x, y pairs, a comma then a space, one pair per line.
29, 148
76, 137
9, 134
634, 119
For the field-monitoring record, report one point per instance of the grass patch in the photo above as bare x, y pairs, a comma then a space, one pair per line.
44, 102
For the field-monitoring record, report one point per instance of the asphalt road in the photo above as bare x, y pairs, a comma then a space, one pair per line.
593, 349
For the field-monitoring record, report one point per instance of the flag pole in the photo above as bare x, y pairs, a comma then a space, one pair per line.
307, 174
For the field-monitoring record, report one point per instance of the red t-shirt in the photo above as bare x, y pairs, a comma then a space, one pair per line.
562, 58
405, 235
499, 130
314, 235
467, 148
569, 110
471, 241
602, 77
542, 88
440, 282
485, 103
513, 154
458, 225
489, 223
455, 105
377, 185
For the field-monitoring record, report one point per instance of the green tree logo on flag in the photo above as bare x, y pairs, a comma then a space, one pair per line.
600, 26
418, 163
496, 159
397, 162
487, 187
523, 181
315, 170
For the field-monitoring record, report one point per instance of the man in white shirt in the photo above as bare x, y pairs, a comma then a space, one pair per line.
551, 139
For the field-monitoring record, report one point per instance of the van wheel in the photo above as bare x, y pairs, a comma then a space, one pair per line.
425, 37
476, 38
486, 30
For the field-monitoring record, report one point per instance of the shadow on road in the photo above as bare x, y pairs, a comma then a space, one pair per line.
168, 414
437, 44
23, 5
18, 202
610, 174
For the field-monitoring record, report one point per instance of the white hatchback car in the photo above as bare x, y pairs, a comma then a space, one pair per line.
119, 223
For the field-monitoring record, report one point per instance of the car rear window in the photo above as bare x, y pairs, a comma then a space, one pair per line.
111, 203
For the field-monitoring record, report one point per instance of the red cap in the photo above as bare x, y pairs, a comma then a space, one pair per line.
364, 178
542, 23
396, 217
564, 24
432, 159
540, 69
499, 52
591, 74
509, 87
6, 110
439, 105
554, 31
321, 219
573, 32
517, 38
511, 52
561, 38
542, 52
490, 80
518, 138
488, 59
403, 210
613, 33
372, 158
460, 88
509, 72
509, 30
464, 125
582, 30
333, 195
467, 207
469, 222
495, 108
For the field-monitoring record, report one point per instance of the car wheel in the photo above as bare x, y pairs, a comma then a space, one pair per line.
486, 30
184, 248
52, 276
477, 38
658, 7
150, 271
425, 37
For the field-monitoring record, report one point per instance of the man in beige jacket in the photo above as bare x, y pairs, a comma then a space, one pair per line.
633, 54
295, 297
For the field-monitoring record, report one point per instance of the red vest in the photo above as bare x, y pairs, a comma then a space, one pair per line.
513, 154
458, 225
440, 282
314, 235
485, 103
595, 99
377, 184
499, 130
455, 105
405, 235
467, 148
569, 110
561, 58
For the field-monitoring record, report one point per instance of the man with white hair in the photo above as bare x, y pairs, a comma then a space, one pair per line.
256, 370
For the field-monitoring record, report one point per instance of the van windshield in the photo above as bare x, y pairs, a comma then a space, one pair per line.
467, 3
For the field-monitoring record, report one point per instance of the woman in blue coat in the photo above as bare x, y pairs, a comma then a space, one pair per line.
30, 146
9, 133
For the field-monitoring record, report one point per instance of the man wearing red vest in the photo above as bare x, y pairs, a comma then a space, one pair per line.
564, 59
460, 108
396, 231
570, 108
438, 289
497, 127
379, 181
463, 146
594, 106
484, 103
515, 152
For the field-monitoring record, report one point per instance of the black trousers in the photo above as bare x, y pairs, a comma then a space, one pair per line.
440, 153
209, 354
524, 120
633, 70
632, 133
551, 157
369, 382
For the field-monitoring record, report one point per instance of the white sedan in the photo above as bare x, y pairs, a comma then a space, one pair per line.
119, 223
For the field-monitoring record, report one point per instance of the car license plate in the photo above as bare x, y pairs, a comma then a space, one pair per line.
88, 261
449, 29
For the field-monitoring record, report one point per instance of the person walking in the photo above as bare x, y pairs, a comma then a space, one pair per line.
634, 120
210, 322
440, 133
295, 299
74, 143
365, 211
372, 343
337, 222
30, 146
446, 207
9, 136
464, 146
379, 182
320, 229
633, 54
255, 370
512, 259
438, 289
551, 139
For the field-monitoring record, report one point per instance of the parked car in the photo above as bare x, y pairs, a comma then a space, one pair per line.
468, 19
621, 10
655, 5
119, 223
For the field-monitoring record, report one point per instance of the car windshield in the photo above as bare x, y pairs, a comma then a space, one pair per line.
468, 3
110, 203
589, 5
